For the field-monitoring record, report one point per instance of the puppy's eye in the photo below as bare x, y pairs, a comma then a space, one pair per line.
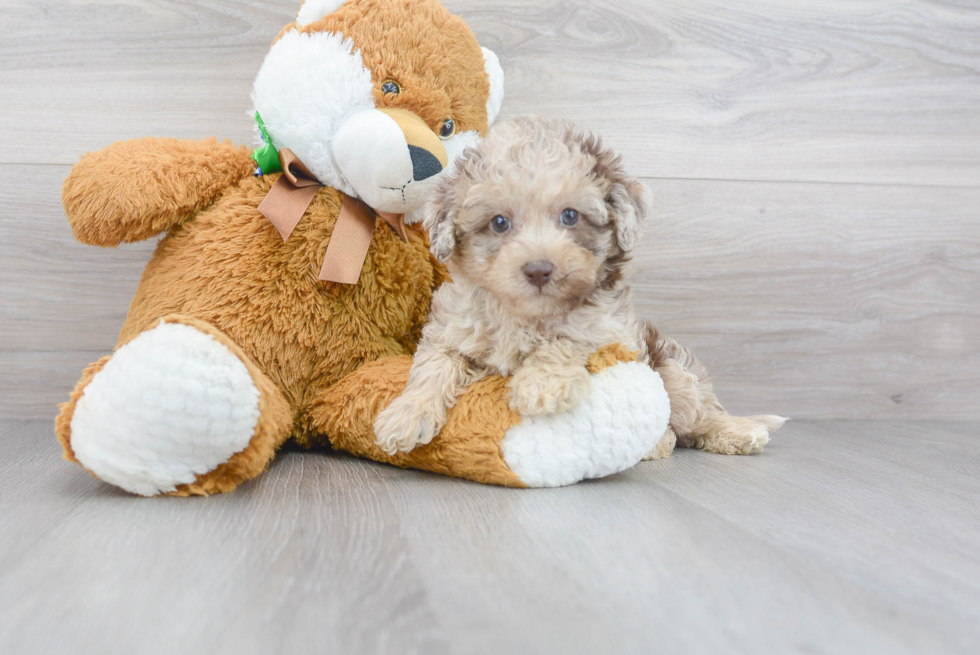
391, 87
448, 128
500, 224
569, 218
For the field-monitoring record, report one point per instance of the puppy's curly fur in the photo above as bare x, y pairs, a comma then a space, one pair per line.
536, 226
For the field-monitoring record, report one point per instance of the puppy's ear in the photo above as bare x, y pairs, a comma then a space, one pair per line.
628, 199
440, 219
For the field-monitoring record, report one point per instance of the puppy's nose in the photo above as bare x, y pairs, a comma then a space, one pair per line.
538, 273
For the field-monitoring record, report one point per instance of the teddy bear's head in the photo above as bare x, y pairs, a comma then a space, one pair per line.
377, 97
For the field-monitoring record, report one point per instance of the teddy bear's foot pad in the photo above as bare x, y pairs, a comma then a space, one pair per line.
170, 405
624, 418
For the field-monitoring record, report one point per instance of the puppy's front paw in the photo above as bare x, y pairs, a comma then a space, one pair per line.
403, 426
536, 392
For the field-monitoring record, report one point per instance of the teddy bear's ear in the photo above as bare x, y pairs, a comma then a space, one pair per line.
496, 73
314, 10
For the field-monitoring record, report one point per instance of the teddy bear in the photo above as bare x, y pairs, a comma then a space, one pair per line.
289, 290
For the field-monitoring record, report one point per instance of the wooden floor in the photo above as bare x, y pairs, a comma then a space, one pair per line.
843, 537
815, 240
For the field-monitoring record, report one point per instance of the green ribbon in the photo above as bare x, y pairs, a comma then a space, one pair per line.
267, 157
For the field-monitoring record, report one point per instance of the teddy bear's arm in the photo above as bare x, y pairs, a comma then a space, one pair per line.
136, 189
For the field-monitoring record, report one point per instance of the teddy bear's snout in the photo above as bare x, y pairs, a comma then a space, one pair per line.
391, 158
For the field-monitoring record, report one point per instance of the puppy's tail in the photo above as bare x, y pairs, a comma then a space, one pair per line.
697, 417
662, 348
686, 380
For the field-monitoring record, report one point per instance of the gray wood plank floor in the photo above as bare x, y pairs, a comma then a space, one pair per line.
816, 240
843, 537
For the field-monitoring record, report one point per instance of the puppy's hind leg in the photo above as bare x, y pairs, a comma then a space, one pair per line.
664, 448
696, 416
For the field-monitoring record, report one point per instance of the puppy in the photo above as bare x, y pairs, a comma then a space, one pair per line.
536, 225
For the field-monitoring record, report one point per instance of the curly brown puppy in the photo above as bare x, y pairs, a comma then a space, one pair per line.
536, 226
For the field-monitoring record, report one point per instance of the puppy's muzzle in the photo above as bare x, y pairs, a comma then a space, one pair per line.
538, 273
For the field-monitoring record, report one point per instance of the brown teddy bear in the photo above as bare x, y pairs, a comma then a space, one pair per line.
286, 305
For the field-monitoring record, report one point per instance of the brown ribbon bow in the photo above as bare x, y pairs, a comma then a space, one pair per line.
289, 199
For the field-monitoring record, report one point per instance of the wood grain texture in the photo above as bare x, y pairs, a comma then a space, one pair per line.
821, 301
807, 300
843, 537
816, 240
879, 91
847, 289
55, 293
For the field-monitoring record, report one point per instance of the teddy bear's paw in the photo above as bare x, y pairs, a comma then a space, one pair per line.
170, 405
537, 392
623, 418
403, 426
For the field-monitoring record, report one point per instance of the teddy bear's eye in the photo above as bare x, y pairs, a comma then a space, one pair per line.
500, 224
448, 128
391, 87
569, 217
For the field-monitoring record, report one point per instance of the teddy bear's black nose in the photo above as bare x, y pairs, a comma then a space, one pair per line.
424, 163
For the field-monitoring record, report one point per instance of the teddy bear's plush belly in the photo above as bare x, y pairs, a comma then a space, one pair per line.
229, 267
